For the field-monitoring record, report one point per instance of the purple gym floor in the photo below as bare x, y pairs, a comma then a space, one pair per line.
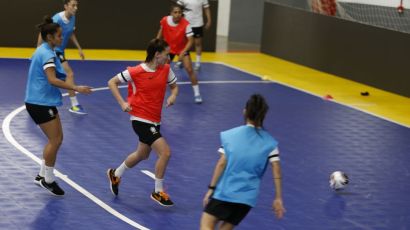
316, 137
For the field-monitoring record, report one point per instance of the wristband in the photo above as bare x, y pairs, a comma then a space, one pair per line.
211, 187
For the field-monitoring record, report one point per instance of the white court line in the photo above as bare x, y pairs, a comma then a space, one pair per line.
148, 173
278, 82
12, 141
10, 138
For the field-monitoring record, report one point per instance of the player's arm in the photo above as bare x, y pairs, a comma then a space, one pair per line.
174, 93
207, 11
113, 85
188, 44
277, 177
159, 34
53, 80
39, 40
219, 169
77, 44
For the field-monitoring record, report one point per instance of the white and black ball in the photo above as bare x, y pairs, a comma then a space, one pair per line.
338, 180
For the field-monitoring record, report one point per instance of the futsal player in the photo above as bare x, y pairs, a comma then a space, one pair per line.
245, 153
147, 84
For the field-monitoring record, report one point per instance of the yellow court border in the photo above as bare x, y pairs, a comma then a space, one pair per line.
379, 103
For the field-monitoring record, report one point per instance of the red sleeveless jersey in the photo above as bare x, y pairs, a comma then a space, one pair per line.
175, 36
146, 92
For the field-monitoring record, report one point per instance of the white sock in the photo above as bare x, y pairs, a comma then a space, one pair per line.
196, 90
74, 101
120, 170
158, 185
42, 168
49, 174
198, 59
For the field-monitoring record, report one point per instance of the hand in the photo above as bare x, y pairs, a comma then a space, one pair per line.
83, 89
80, 52
171, 100
278, 208
126, 107
207, 197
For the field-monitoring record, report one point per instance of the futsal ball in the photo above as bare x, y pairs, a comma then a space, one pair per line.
338, 180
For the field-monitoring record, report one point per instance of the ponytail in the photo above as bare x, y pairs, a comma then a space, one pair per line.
47, 27
256, 109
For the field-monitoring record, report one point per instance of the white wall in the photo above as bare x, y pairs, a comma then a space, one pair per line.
224, 10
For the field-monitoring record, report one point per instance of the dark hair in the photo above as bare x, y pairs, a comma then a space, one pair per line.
155, 45
47, 27
68, 1
256, 109
182, 7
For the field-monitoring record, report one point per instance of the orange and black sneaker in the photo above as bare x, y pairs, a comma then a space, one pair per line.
114, 181
162, 198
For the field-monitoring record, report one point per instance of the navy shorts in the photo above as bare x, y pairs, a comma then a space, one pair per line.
147, 133
171, 56
229, 212
41, 113
61, 56
198, 32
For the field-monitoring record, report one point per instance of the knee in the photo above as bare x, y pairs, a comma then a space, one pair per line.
190, 71
166, 154
57, 140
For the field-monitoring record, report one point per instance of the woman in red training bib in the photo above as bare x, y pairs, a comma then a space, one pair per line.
146, 91
177, 32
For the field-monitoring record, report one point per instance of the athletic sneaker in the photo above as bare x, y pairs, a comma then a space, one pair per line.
38, 179
197, 66
178, 65
114, 181
78, 109
52, 187
198, 99
162, 198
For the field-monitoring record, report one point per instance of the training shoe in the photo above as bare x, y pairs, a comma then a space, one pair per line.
198, 99
197, 66
162, 198
38, 179
178, 65
52, 187
114, 181
78, 109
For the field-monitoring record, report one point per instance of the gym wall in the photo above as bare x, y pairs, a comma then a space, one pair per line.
102, 24
371, 55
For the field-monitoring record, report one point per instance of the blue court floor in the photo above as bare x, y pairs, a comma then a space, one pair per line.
316, 137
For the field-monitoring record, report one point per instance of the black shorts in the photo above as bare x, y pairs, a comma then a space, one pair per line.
147, 133
171, 55
198, 32
226, 211
61, 56
41, 113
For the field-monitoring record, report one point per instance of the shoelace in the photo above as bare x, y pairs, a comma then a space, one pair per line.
164, 195
115, 180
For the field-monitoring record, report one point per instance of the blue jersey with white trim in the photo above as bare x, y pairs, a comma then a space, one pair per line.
247, 152
67, 26
38, 90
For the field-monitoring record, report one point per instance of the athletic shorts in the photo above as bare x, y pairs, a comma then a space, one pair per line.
147, 133
198, 32
226, 211
171, 56
41, 113
61, 56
